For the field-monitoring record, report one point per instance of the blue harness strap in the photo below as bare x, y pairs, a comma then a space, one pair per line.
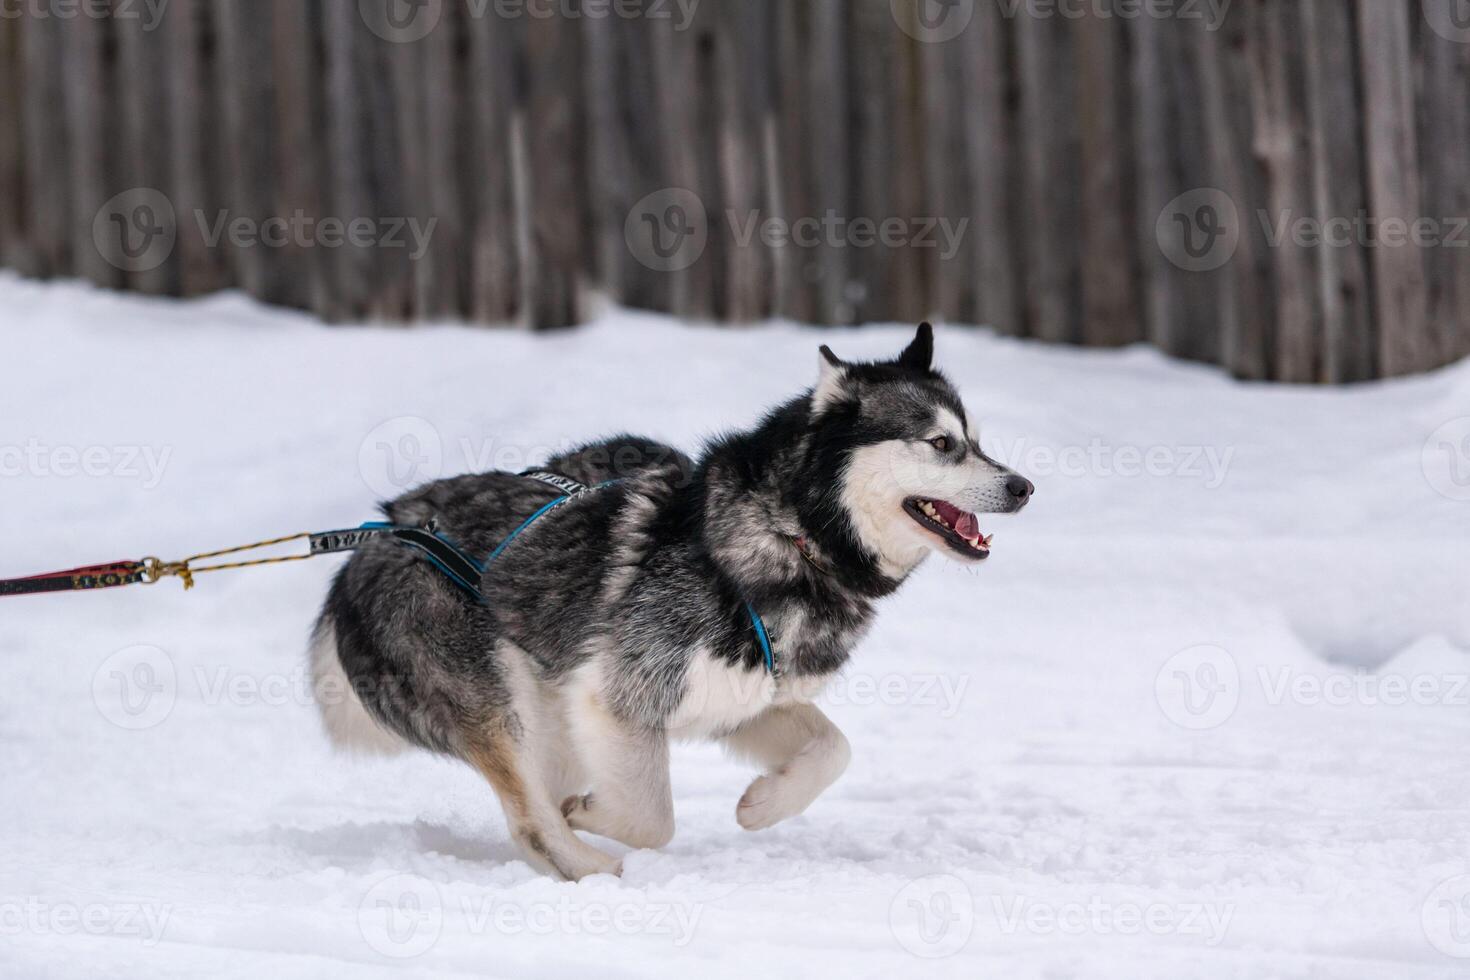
763, 639
465, 572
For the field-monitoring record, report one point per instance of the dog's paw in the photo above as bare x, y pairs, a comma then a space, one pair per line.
769, 800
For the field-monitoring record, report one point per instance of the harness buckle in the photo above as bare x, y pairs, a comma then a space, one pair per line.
156, 568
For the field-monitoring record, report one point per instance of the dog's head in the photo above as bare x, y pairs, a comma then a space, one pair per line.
909, 473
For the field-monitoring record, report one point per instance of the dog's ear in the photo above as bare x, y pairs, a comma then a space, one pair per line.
919, 354
831, 379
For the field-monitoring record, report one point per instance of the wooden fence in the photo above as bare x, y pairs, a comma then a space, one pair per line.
1086, 171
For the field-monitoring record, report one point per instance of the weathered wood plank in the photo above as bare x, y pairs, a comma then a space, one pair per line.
743, 71
1278, 104
299, 163
142, 159
553, 139
1109, 262
1049, 133
677, 111
1394, 191
1156, 179
85, 89
14, 235
1444, 134
194, 169
990, 137
244, 88
1330, 62
349, 181
491, 185
946, 181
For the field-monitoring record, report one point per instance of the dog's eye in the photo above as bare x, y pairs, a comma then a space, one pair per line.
942, 443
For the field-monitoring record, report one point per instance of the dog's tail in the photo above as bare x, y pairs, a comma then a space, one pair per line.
349, 725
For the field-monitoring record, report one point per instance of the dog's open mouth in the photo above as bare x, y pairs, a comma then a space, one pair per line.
959, 528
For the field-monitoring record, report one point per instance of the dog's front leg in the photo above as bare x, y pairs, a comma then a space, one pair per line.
628, 766
803, 753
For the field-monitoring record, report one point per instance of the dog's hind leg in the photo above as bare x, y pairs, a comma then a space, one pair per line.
803, 753
534, 819
628, 765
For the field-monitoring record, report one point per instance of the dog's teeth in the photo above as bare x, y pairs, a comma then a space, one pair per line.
987, 539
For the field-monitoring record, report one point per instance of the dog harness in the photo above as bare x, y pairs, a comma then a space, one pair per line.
464, 571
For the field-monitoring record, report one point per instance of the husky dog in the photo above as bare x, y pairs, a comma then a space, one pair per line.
648, 608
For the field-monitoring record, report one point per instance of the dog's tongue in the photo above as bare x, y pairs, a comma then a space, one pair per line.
967, 526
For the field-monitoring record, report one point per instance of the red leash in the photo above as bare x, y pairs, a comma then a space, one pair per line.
105, 576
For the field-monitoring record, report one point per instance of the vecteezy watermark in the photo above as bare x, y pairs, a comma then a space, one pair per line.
305, 231
1210, 13
1199, 231
1282, 685
406, 451
1210, 465
38, 459
399, 454
1450, 19
932, 917
937, 21
833, 230
1198, 688
403, 915
1201, 687
149, 12
675, 921
131, 920
136, 687
406, 21
932, 21
1363, 230
1446, 459
138, 230
1445, 916
669, 230
1103, 917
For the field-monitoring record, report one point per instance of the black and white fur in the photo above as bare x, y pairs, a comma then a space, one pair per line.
619, 621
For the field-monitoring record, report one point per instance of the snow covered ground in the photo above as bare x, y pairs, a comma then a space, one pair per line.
1205, 712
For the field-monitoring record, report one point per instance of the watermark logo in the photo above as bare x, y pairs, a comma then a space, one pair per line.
1211, 13
1198, 688
1199, 231
149, 12
933, 917
667, 231
1445, 916
400, 454
136, 230
146, 464
1446, 459
401, 21
136, 687
1101, 917
302, 230
1207, 465
401, 916
932, 21
833, 230
130, 920
1450, 19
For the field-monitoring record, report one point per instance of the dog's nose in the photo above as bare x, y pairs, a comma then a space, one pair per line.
1020, 487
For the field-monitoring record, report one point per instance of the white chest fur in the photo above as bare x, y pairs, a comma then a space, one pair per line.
719, 697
